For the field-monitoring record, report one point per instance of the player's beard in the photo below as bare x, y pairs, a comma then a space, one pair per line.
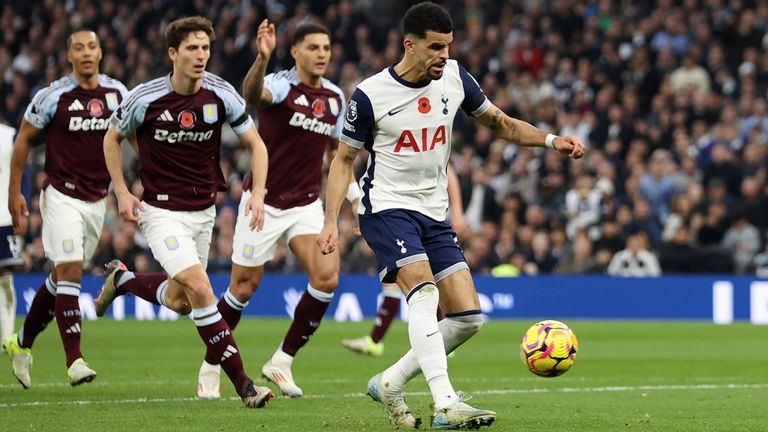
434, 75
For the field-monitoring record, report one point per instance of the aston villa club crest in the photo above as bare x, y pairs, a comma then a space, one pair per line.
187, 119
210, 113
334, 106
112, 102
318, 108
95, 107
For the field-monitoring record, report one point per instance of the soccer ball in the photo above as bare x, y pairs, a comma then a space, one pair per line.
549, 348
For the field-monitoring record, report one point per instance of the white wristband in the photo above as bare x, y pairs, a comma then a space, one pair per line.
353, 192
549, 142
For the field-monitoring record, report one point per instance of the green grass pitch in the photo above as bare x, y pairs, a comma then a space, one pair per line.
629, 376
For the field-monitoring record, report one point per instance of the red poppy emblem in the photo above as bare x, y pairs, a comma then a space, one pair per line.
424, 106
187, 119
318, 108
96, 107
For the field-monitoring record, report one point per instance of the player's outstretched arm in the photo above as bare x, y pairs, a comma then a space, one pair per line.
17, 204
253, 84
259, 164
336, 190
458, 222
127, 203
526, 134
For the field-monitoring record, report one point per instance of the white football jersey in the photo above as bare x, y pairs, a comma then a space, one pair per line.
407, 128
7, 135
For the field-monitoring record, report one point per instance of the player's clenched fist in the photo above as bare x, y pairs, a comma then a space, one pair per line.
327, 238
570, 145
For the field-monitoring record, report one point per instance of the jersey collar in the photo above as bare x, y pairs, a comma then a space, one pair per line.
407, 83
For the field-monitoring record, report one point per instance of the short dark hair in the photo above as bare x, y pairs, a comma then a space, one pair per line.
427, 16
79, 30
307, 29
178, 30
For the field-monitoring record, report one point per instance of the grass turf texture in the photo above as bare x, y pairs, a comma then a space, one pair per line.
628, 376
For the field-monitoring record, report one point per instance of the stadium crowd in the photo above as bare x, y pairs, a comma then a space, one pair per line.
670, 97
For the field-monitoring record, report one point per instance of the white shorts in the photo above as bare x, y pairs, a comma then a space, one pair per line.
178, 239
71, 227
254, 248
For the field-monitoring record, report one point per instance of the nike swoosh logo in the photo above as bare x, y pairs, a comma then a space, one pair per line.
432, 334
395, 111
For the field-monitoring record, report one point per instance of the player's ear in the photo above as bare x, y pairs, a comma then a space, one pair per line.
294, 51
409, 45
172, 53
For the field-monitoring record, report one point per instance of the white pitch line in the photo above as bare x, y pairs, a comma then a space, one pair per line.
354, 395
92, 384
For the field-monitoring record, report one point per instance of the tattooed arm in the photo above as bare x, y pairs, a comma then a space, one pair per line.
526, 134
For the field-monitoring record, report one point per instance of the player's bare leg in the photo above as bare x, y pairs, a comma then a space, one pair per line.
243, 283
458, 298
216, 333
323, 272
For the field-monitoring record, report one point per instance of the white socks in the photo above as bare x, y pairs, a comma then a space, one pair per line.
427, 342
280, 357
455, 330
7, 305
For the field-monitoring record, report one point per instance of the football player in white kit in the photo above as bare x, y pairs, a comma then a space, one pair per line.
403, 116
10, 244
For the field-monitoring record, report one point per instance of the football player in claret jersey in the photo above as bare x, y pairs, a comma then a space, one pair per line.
177, 121
74, 111
403, 116
299, 119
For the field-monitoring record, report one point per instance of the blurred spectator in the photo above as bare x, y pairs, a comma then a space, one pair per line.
657, 186
635, 260
580, 261
676, 255
689, 77
742, 240
582, 204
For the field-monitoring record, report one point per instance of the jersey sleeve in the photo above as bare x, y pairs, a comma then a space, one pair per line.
130, 114
234, 108
358, 120
42, 108
279, 85
336, 134
122, 89
475, 103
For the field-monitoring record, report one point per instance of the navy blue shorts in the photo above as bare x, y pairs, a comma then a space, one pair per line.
10, 247
401, 237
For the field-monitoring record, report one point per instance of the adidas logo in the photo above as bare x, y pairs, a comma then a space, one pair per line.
165, 116
74, 329
75, 106
229, 352
301, 100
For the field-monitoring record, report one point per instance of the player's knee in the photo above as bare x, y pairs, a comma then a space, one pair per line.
71, 272
468, 325
325, 283
426, 294
243, 289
